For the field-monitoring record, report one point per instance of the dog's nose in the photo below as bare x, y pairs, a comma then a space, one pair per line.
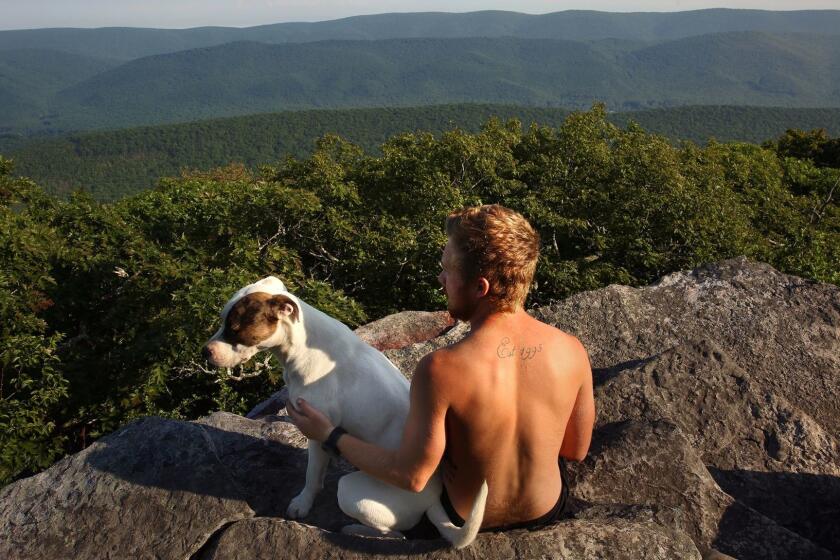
205, 353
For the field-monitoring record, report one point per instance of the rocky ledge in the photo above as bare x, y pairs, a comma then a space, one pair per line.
718, 396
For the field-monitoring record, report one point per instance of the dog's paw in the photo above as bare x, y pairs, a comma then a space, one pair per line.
299, 506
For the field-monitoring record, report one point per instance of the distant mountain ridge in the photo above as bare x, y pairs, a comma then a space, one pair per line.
577, 25
29, 78
746, 68
55, 81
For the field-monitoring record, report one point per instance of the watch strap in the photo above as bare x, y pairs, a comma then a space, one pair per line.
330, 445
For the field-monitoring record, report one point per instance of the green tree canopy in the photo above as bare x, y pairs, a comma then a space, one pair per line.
105, 307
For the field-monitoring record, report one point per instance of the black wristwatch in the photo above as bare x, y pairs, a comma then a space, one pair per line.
330, 445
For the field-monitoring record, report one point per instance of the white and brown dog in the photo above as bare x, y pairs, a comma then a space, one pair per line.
354, 384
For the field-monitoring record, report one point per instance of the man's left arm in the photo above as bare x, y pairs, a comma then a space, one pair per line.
423, 440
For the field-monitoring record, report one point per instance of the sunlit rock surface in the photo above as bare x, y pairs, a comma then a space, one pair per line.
718, 397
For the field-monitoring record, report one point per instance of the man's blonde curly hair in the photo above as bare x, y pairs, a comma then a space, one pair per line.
499, 244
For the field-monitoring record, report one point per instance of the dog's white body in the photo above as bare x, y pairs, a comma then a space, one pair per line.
357, 387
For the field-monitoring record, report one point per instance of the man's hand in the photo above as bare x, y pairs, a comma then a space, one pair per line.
424, 438
309, 420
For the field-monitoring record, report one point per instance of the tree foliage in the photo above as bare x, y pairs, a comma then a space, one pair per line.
815, 145
105, 306
114, 164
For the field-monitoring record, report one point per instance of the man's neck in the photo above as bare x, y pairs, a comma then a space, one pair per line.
486, 316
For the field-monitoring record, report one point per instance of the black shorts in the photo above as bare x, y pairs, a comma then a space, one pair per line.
422, 529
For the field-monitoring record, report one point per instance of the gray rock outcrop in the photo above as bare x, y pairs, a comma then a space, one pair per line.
156, 488
404, 328
718, 397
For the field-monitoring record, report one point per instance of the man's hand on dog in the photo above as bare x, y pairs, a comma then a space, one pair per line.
309, 420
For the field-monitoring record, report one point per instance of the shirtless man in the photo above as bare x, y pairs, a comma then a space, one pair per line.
506, 404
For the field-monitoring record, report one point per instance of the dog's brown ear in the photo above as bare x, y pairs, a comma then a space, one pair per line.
284, 306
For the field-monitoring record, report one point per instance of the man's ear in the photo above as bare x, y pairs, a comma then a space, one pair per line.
482, 287
284, 306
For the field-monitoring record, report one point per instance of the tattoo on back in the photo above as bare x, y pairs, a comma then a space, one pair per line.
507, 350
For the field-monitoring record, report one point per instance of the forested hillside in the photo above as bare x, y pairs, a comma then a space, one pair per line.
113, 164
105, 306
29, 78
242, 78
576, 25
728, 123
239, 78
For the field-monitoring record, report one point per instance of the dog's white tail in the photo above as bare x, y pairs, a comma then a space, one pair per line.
460, 536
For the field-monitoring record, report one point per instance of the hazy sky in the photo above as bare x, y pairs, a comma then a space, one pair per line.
23, 14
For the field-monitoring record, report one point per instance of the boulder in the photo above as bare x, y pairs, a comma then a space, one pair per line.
615, 538
652, 463
219, 487
761, 449
404, 328
781, 329
407, 357
154, 489
717, 437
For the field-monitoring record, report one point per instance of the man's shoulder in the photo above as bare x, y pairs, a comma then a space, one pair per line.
564, 345
441, 359
555, 334
437, 367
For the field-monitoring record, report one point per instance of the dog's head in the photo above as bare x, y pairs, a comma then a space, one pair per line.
258, 317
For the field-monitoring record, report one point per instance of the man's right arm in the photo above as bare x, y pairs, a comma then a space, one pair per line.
578, 434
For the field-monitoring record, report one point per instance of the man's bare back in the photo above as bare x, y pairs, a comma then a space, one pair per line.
512, 386
503, 404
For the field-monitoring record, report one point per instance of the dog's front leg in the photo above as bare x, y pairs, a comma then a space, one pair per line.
316, 469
